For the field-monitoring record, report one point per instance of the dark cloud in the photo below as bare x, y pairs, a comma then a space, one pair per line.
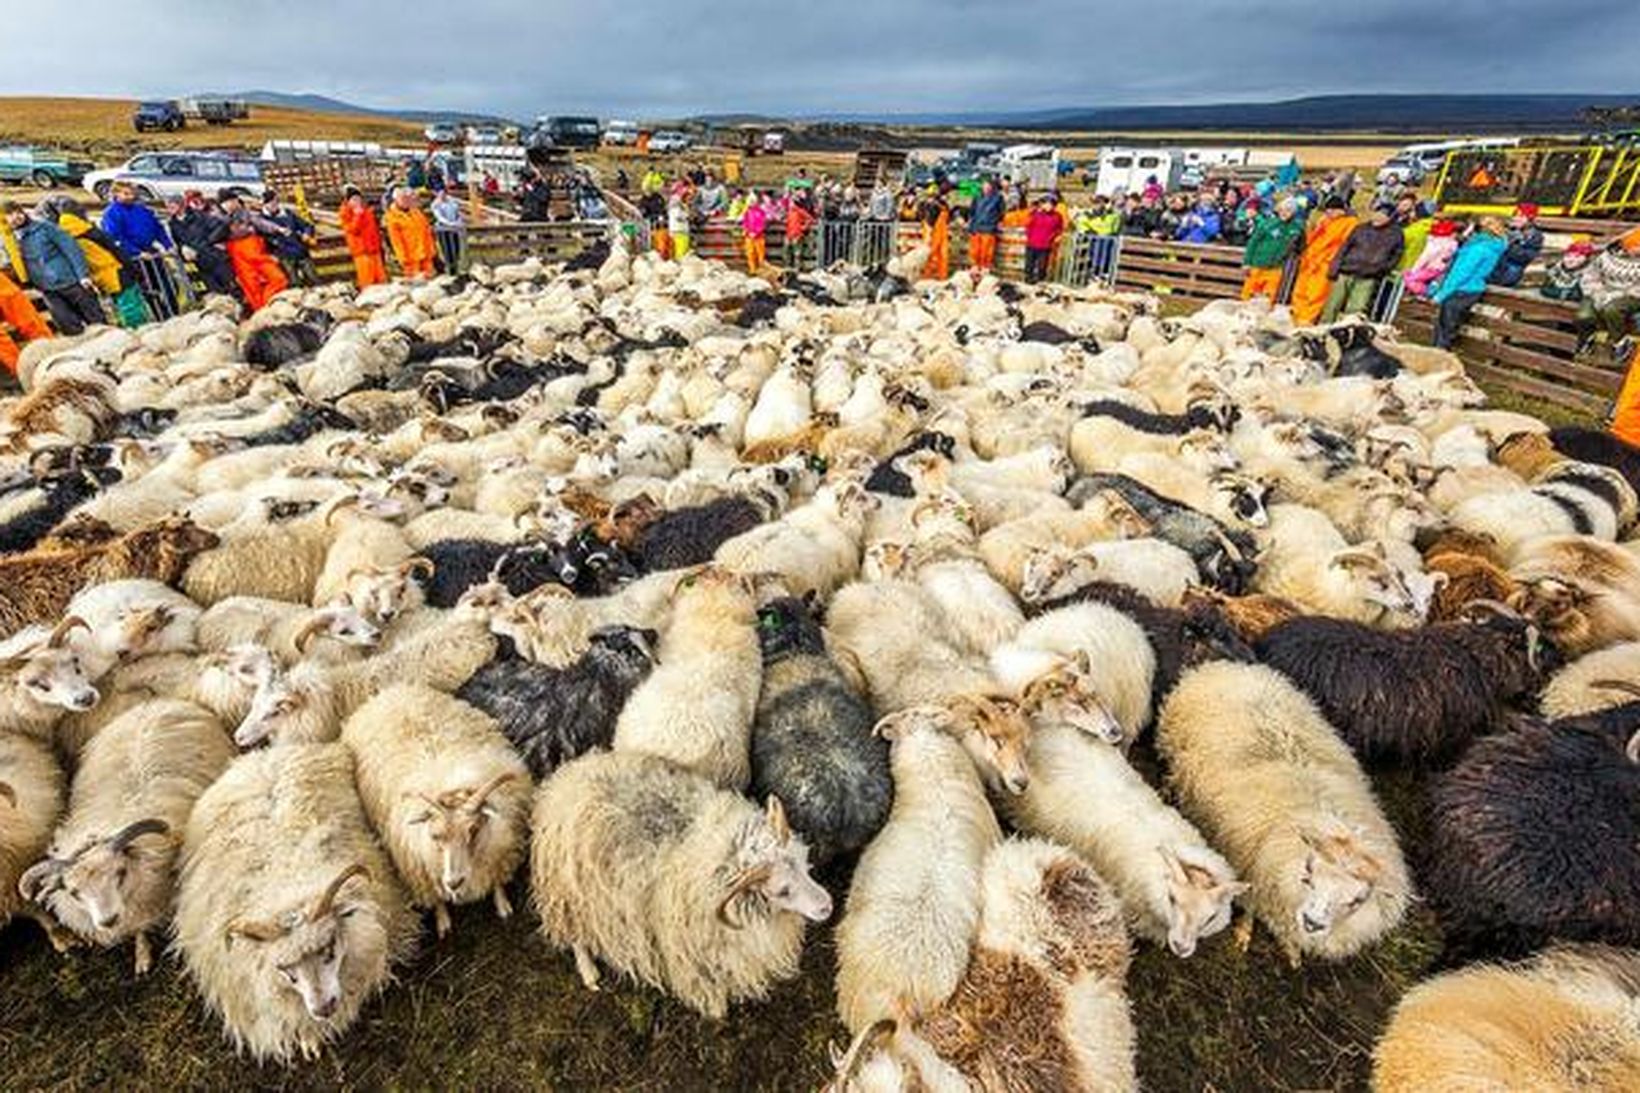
648, 58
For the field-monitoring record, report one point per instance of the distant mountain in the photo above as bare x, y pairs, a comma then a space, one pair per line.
1415, 113
324, 104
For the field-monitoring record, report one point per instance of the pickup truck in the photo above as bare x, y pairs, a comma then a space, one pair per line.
158, 115
40, 168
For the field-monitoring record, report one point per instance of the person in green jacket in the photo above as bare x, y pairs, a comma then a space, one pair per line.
1276, 237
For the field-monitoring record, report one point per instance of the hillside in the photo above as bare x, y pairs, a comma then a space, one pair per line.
102, 127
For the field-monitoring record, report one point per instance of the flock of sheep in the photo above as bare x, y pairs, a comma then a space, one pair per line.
665, 584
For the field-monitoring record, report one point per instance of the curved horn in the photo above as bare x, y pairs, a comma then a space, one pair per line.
743, 882
337, 504
1633, 748
1229, 546
417, 565
777, 819
1621, 686
327, 898
131, 832
309, 630
255, 929
8, 793
64, 628
869, 1037
482, 793
1493, 607
34, 878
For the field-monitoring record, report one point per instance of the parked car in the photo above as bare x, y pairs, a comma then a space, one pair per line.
158, 114
669, 141
441, 132
41, 168
563, 131
484, 134
621, 132
159, 175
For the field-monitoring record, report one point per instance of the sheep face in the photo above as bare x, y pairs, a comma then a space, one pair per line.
456, 830
342, 622
885, 561
996, 735
772, 867
325, 953
1064, 695
1199, 898
381, 594
1049, 574
944, 517
143, 631
95, 891
1339, 876
1375, 580
1242, 498
52, 674
293, 707
1205, 450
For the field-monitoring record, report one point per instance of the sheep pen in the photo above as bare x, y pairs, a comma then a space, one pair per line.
585, 390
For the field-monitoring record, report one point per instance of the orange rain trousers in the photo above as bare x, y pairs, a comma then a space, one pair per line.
258, 274
17, 310
982, 250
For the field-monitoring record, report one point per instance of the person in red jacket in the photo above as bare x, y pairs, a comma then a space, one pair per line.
364, 239
798, 221
1042, 231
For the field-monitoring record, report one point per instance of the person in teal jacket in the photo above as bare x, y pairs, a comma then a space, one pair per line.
1465, 279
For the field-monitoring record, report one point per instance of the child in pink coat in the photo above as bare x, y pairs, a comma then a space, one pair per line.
1437, 254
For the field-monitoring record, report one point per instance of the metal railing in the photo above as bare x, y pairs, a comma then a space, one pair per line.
166, 285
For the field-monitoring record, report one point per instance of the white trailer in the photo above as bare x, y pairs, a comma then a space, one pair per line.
1128, 170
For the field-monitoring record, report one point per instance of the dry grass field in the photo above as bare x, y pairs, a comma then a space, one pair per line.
102, 128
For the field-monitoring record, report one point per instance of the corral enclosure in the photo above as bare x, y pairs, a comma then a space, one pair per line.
495, 1006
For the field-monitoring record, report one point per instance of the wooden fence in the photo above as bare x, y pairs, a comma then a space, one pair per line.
1520, 341
1196, 272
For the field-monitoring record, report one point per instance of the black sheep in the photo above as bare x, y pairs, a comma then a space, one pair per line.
310, 419
690, 536
553, 715
1358, 356
594, 256
812, 744
889, 479
269, 347
1535, 837
459, 564
1053, 334
759, 309
589, 565
150, 421
1598, 446
1181, 637
57, 495
1412, 695
1225, 557
1199, 416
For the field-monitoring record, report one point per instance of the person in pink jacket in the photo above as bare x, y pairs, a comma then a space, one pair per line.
1432, 261
754, 224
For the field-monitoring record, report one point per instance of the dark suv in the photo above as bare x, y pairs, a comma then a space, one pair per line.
157, 115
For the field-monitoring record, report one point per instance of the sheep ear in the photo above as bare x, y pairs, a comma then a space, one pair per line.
1082, 662
776, 813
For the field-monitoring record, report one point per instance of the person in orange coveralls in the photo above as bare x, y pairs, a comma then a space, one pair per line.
16, 309
364, 239
1325, 239
410, 234
259, 274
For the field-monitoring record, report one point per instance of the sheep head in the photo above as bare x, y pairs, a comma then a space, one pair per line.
1200, 892
305, 947
1371, 578
92, 890
50, 671
996, 734
770, 872
1055, 572
1065, 694
457, 826
340, 621
1339, 875
381, 594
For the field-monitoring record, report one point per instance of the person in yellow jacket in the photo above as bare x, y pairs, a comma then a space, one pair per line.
410, 235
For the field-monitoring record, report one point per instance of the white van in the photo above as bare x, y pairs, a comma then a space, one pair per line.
621, 132
1128, 169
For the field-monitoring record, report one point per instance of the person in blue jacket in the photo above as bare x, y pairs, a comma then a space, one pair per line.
1201, 224
133, 225
1465, 279
1525, 243
57, 267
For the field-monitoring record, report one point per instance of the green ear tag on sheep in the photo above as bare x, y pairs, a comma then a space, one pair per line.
768, 620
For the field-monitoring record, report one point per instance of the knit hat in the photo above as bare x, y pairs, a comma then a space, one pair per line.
1581, 248
1334, 202
1527, 209
1444, 228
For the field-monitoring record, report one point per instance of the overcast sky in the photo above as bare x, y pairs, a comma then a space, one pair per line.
524, 57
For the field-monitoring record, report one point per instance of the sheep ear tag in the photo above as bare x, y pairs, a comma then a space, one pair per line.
768, 620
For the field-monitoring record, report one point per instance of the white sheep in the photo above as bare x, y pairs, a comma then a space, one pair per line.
286, 630
108, 875
669, 879
31, 798
815, 548
446, 792
289, 916
696, 707
1114, 661
1307, 560
1275, 788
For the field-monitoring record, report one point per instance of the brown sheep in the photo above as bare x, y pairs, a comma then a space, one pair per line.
1528, 455
624, 524
1249, 616
1459, 541
78, 410
36, 586
1469, 577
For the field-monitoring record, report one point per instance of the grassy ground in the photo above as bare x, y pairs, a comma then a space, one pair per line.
494, 1007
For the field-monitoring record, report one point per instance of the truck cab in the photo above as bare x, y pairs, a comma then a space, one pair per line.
158, 114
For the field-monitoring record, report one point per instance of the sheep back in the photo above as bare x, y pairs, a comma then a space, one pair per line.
31, 770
